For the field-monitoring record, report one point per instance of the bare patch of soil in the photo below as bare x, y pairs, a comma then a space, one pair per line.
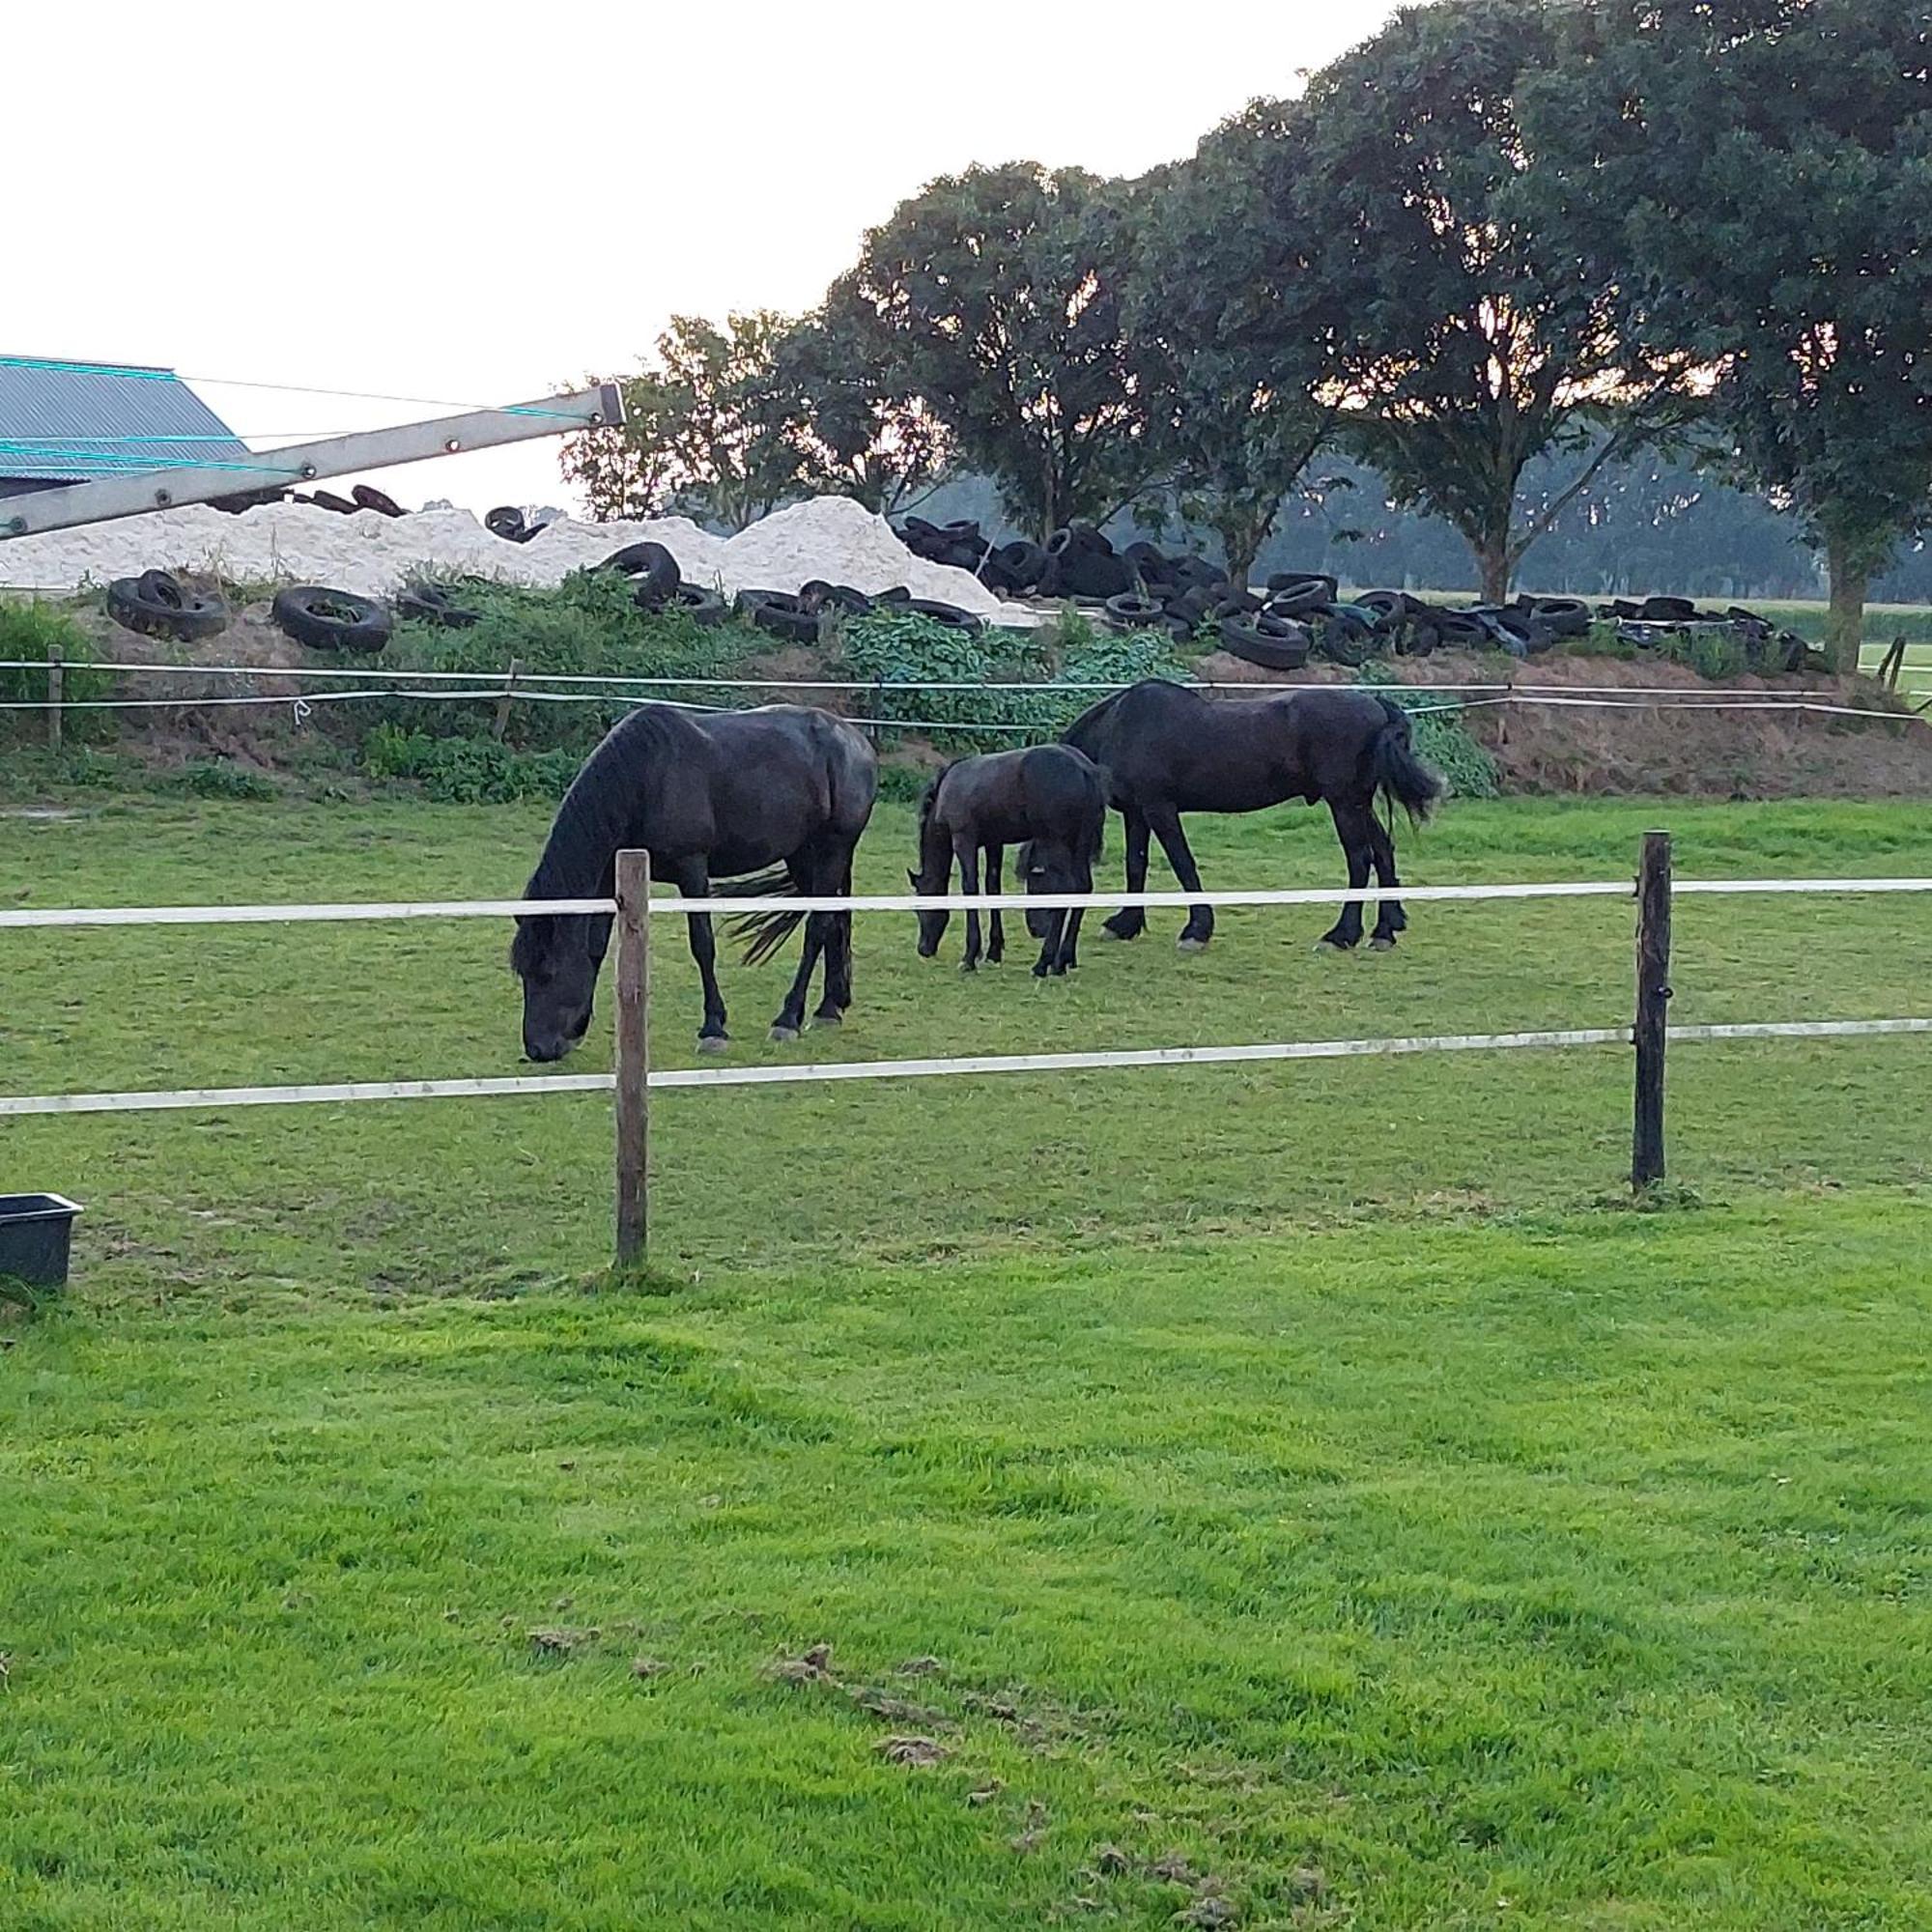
1627, 745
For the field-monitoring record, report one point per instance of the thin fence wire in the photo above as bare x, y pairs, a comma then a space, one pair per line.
1249, 686
612, 692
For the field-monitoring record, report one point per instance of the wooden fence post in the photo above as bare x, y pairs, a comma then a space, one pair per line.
56, 694
1651, 1033
504, 702
634, 1054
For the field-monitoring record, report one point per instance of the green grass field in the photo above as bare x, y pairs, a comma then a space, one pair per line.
1308, 1496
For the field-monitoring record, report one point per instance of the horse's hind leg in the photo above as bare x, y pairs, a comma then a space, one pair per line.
1200, 927
790, 1022
810, 878
837, 993
1391, 918
1131, 922
1352, 825
694, 882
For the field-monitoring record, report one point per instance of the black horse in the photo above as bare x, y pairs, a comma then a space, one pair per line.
709, 796
1049, 801
1166, 749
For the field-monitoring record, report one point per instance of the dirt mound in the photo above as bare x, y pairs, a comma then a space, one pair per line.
1624, 744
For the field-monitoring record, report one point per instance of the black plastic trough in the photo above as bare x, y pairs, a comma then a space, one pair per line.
35, 1231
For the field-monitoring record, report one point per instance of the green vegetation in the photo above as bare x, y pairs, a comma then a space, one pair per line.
1550, 1577
1319, 1505
1515, 238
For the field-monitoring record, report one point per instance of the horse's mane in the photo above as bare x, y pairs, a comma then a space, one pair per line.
929, 799
602, 806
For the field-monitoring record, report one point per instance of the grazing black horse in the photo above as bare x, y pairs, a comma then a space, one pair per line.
1166, 749
710, 796
1049, 801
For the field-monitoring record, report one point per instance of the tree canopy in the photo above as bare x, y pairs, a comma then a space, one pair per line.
1757, 175
995, 297
1476, 347
1522, 259
1232, 335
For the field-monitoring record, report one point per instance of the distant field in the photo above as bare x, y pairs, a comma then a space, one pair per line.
1806, 616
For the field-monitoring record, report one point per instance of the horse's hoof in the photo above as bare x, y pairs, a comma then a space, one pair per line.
828, 1019
1383, 941
1186, 945
1327, 944
783, 1036
969, 965
713, 1042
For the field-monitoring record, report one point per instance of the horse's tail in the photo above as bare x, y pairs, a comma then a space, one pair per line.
764, 932
1399, 775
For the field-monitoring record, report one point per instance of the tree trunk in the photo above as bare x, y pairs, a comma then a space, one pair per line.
1845, 626
1493, 568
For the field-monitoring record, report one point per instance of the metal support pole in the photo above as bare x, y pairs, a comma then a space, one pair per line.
291, 467
504, 702
1651, 1032
56, 694
634, 1055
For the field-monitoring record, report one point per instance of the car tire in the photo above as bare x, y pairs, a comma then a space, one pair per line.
156, 605
331, 620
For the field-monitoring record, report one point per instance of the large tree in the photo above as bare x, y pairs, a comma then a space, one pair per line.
628, 472
861, 435
711, 431
1759, 174
994, 298
1479, 346
1235, 342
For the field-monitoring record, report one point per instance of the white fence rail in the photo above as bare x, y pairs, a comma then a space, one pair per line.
635, 1079
669, 1079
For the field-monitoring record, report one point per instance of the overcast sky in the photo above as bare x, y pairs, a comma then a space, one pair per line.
480, 204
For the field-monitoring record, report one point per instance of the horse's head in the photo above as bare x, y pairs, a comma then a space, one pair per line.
931, 924
557, 956
1047, 866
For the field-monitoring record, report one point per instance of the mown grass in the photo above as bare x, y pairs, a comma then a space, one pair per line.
1321, 1507
233, 1203
1558, 1576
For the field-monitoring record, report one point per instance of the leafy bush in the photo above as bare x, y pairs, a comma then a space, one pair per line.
224, 778
588, 627
34, 631
1717, 655
1441, 738
988, 712
467, 771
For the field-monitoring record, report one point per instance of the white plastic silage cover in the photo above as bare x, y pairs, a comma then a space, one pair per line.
829, 537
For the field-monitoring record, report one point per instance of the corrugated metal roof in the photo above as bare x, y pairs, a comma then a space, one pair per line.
71, 421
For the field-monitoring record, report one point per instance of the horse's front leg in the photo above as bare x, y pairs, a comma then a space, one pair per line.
1391, 918
694, 882
1200, 927
996, 866
1049, 947
967, 855
1069, 939
1131, 922
1352, 828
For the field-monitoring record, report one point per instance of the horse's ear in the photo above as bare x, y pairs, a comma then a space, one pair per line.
912, 878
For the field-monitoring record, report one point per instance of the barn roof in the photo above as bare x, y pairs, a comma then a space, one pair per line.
68, 422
